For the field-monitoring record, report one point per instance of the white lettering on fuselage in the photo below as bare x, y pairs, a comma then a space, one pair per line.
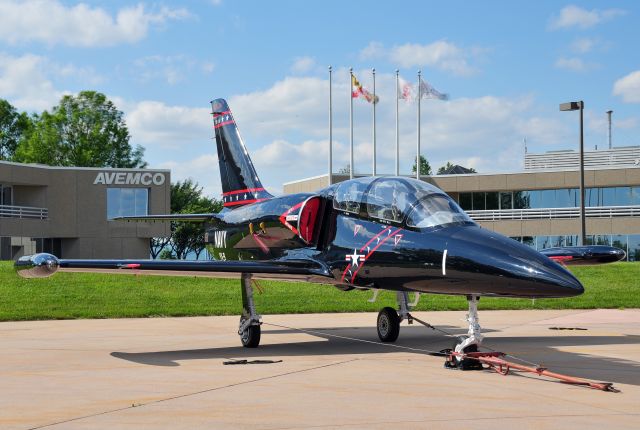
129, 178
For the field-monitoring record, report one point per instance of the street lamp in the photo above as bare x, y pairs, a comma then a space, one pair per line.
579, 106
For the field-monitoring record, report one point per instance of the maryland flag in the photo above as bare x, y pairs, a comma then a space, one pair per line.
357, 90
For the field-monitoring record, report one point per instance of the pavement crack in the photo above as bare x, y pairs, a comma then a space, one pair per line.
195, 393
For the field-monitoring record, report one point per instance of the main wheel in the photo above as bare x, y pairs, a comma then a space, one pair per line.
250, 337
388, 325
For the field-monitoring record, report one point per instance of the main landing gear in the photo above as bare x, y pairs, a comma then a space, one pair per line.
249, 329
389, 319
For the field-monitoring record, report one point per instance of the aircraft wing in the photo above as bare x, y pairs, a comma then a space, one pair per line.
172, 217
44, 265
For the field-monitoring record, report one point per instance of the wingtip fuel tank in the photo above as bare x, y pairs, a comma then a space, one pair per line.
40, 265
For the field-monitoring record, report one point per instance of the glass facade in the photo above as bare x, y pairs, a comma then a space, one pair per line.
560, 198
629, 243
127, 202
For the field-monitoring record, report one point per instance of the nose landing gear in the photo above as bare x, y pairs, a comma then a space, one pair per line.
471, 342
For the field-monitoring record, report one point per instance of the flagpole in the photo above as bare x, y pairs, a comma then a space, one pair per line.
418, 140
330, 130
350, 123
397, 124
373, 71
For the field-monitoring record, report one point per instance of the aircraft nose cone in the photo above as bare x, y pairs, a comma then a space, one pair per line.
515, 269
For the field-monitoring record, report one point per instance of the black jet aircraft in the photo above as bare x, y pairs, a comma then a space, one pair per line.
374, 233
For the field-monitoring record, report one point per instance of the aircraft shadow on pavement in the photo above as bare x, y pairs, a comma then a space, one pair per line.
544, 350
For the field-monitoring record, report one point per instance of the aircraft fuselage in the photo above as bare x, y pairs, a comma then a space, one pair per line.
361, 252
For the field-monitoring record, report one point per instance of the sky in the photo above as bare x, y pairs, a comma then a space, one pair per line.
506, 66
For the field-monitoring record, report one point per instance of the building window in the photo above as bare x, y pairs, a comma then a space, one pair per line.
506, 200
465, 201
478, 202
6, 195
127, 202
492, 201
633, 253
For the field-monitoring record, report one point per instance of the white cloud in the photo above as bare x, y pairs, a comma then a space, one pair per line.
24, 82
303, 64
599, 123
441, 54
51, 22
628, 87
155, 124
31, 82
575, 16
285, 130
583, 45
170, 68
202, 169
574, 64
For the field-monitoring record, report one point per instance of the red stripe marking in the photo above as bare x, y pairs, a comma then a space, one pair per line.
283, 217
561, 257
130, 266
243, 202
217, 114
366, 257
246, 190
374, 238
264, 247
372, 251
224, 123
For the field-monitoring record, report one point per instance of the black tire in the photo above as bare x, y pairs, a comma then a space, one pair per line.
250, 338
467, 363
388, 325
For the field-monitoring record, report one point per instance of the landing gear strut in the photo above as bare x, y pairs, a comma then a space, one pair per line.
472, 341
389, 319
249, 329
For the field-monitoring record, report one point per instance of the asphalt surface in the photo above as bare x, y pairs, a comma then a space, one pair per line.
169, 373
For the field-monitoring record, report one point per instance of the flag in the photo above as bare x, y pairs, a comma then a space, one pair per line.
405, 90
357, 90
428, 92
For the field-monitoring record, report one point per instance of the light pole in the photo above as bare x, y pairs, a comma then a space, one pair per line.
579, 106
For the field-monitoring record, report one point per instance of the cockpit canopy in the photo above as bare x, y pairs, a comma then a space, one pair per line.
398, 200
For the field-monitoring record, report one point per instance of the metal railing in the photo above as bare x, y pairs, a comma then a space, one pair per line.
551, 213
24, 212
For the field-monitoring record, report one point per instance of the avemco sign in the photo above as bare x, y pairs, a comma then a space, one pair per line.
129, 178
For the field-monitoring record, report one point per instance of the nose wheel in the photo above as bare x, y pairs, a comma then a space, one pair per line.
388, 325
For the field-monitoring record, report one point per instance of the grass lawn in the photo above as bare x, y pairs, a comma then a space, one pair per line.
84, 295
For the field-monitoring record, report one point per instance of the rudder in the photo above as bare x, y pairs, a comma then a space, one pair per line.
240, 182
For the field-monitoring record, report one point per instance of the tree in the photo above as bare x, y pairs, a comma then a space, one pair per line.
186, 237
425, 168
346, 170
444, 169
85, 130
13, 126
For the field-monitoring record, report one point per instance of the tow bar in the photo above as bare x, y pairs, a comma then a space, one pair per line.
495, 362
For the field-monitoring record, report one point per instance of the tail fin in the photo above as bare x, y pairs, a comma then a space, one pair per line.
240, 182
